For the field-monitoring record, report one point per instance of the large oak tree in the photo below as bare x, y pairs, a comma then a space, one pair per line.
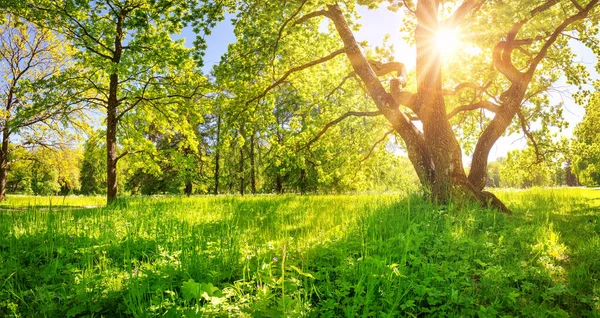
468, 102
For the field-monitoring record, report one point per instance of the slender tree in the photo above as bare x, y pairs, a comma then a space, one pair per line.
37, 88
128, 49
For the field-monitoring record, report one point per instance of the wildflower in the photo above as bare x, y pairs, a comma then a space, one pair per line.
135, 271
275, 259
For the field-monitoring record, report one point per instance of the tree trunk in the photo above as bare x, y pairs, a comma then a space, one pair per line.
217, 155
5, 143
112, 119
241, 171
278, 184
278, 181
111, 140
252, 168
188, 188
435, 153
478, 175
439, 137
302, 181
4, 163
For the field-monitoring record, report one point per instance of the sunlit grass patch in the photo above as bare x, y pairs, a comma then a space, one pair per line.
369, 255
47, 202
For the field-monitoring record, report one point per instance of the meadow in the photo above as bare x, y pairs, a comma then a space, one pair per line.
386, 255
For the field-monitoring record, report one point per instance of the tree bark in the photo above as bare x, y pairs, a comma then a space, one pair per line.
435, 153
188, 188
439, 137
4, 163
478, 173
241, 171
217, 155
111, 118
252, 167
111, 140
278, 184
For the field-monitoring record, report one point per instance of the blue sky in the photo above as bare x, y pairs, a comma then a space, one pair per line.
378, 23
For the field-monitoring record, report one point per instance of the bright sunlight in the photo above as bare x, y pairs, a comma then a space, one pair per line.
447, 41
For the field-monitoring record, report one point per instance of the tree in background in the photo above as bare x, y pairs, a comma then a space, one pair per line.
45, 171
521, 169
586, 159
493, 173
290, 139
93, 167
38, 91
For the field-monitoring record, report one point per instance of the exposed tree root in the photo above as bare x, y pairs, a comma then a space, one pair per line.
488, 199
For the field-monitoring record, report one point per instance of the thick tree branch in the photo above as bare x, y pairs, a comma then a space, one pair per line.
484, 104
476, 87
577, 5
557, 32
320, 13
382, 69
503, 50
413, 138
401, 97
461, 12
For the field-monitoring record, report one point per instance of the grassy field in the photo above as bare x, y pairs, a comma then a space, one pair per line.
322, 256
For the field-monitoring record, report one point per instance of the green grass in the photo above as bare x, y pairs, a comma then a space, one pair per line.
41, 202
321, 256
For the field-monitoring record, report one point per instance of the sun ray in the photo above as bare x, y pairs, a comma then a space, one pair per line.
447, 41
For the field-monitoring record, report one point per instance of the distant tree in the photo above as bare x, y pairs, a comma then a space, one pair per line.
37, 88
93, 167
493, 173
19, 176
521, 169
586, 154
570, 178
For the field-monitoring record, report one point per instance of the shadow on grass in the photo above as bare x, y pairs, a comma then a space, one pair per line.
404, 257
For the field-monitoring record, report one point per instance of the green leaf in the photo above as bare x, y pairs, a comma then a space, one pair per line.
191, 290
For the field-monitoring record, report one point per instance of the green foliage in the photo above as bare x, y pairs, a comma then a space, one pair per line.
44, 171
521, 169
375, 255
41, 105
586, 163
525, 168
93, 167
